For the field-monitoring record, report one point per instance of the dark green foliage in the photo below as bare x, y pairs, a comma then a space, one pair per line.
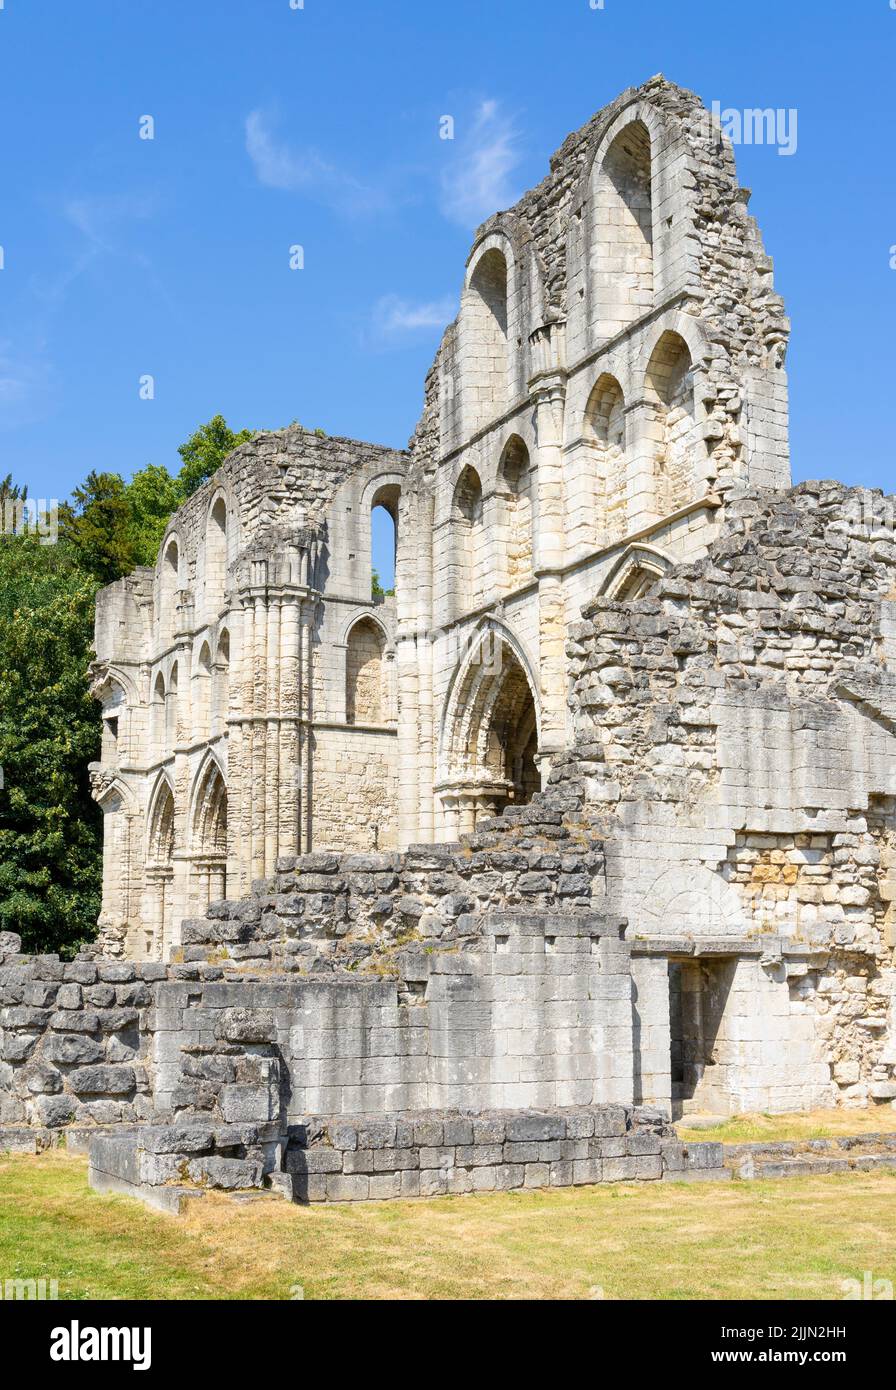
50, 828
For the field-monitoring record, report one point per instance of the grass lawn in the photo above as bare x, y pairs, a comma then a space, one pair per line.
812, 1124
793, 1239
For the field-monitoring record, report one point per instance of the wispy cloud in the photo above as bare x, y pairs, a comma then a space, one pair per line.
478, 179
394, 317
26, 384
277, 165
101, 219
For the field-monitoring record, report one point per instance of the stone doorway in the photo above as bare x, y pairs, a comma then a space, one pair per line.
699, 1029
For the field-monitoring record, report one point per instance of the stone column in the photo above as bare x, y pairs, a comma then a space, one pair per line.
644, 432
549, 394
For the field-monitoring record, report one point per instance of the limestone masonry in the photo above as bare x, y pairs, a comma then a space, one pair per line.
591, 825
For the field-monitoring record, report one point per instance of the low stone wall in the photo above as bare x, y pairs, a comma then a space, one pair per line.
353, 1158
74, 1045
363, 1158
858, 1153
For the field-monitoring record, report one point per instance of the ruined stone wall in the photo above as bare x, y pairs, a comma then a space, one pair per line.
216, 667
738, 729
632, 274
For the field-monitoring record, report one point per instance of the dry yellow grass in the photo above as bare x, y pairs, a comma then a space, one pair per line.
794, 1239
811, 1124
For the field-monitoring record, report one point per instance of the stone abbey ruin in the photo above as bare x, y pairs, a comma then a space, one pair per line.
590, 826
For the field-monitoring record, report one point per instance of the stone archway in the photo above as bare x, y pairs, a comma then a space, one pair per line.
209, 838
157, 914
490, 736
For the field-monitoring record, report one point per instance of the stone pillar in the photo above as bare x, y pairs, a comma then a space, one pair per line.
652, 1032
644, 431
549, 392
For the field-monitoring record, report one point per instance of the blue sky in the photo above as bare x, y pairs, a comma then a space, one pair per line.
319, 127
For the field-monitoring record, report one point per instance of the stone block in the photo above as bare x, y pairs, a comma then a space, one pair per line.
102, 1080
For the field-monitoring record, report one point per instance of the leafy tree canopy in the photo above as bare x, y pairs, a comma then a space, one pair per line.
153, 496
50, 828
206, 450
97, 524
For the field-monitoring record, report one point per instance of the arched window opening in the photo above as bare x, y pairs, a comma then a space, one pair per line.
605, 434
210, 839
468, 537
384, 541
114, 715
157, 717
202, 692
484, 343
517, 485
171, 711
670, 380
364, 674
160, 874
221, 685
168, 587
216, 558
161, 830
622, 242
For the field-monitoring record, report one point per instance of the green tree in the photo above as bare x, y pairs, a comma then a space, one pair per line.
152, 496
206, 450
50, 827
10, 493
97, 523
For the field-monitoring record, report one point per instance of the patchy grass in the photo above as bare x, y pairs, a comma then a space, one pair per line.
811, 1124
793, 1239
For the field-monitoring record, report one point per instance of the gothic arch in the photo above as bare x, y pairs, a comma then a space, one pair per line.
168, 583
160, 822
621, 243
604, 431
490, 730
516, 479
366, 699
158, 912
202, 690
467, 540
486, 332
208, 834
669, 383
220, 687
216, 553
636, 572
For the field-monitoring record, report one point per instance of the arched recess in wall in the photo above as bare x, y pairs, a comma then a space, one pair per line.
114, 704
468, 541
209, 836
171, 710
484, 342
366, 699
621, 252
605, 434
157, 717
157, 914
637, 573
202, 692
215, 557
221, 684
169, 583
516, 485
669, 384
490, 733
384, 538
116, 802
